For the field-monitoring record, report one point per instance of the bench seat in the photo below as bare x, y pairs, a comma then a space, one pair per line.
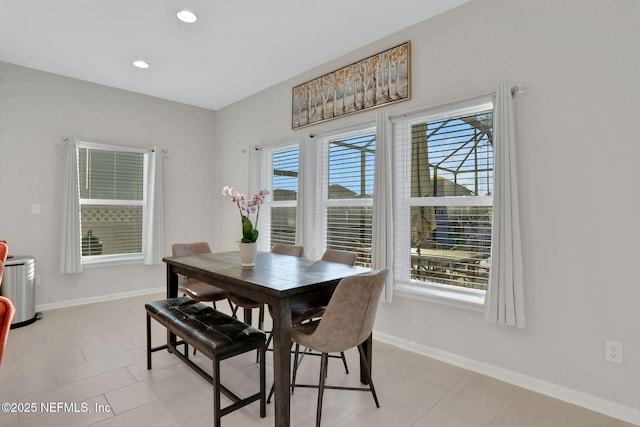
216, 336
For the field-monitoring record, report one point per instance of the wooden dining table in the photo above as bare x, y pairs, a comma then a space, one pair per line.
277, 280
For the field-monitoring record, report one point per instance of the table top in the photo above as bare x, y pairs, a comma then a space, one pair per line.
274, 274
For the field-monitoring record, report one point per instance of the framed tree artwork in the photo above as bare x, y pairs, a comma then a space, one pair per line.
378, 80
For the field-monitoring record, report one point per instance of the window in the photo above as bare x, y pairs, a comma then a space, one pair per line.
112, 188
281, 177
444, 185
345, 194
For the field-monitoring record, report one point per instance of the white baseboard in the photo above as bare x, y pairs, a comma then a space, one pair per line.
606, 407
102, 298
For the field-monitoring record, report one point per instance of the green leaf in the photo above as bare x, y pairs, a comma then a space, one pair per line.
249, 234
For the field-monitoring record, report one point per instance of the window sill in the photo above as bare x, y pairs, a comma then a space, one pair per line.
465, 299
111, 260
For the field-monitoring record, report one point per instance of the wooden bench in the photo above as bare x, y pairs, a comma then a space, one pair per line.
215, 335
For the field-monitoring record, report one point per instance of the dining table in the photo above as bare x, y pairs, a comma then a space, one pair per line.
279, 281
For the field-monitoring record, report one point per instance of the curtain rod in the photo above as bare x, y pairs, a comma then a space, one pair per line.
515, 90
164, 150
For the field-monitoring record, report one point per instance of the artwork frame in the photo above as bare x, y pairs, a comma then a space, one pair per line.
380, 79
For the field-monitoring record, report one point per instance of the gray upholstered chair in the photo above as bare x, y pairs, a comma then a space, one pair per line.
193, 288
312, 310
343, 257
307, 311
347, 322
283, 249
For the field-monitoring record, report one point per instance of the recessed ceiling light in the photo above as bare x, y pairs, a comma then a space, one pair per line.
187, 16
141, 64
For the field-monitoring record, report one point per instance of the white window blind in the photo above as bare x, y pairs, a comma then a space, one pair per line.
112, 188
444, 185
280, 175
345, 194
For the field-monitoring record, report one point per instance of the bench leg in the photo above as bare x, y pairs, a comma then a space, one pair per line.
263, 383
216, 393
148, 342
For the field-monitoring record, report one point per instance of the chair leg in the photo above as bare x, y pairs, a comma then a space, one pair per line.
323, 374
260, 326
344, 362
261, 318
273, 389
295, 367
269, 339
234, 310
367, 372
231, 307
293, 379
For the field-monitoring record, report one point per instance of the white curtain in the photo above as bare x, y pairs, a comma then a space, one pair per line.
154, 233
382, 236
305, 211
70, 249
70, 246
504, 302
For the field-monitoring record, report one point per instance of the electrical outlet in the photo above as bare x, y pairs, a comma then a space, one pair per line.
613, 352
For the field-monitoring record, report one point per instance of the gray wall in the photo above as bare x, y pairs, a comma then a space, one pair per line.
576, 136
37, 109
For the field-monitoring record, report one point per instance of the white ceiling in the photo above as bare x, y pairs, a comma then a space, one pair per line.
235, 49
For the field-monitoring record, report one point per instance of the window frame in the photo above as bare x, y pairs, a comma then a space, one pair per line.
122, 258
266, 181
323, 203
461, 297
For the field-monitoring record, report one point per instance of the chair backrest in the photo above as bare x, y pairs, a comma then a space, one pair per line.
349, 316
7, 310
281, 248
4, 252
184, 249
343, 257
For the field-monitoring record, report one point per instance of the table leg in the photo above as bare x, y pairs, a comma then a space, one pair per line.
172, 292
172, 282
282, 362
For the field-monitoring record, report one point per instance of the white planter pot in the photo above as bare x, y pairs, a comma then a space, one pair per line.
248, 254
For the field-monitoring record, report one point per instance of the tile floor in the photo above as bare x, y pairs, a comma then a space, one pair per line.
86, 365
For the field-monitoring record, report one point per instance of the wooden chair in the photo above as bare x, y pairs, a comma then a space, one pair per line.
347, 322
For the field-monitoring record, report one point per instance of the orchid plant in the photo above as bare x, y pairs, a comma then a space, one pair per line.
247, 207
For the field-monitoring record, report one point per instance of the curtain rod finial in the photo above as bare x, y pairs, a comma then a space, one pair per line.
518, 89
